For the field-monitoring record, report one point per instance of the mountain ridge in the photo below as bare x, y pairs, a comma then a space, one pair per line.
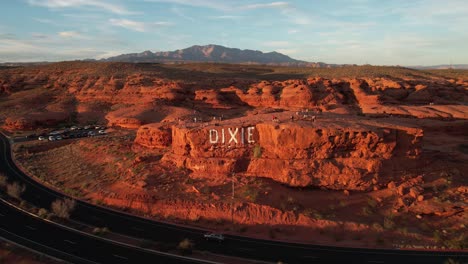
214, 53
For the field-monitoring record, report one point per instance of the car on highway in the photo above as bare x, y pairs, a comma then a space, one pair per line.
214, 237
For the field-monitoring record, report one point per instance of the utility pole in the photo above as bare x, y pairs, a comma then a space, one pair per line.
232, 200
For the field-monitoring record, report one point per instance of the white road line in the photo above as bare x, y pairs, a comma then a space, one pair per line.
30, 227
69, 241
120, 257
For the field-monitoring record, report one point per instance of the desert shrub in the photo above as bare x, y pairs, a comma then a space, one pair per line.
371, 202
185, 246
250, 192
63, 208
459, 243
377, 226
42, 213
15, 190
100, 230
367, 211
257, 151
3, 180
388, 223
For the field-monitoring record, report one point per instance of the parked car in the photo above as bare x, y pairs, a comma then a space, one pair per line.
51, 138
87, 127
58, 138
91, 133
101, 131
41, 138
214, 236
31, 136
73, 128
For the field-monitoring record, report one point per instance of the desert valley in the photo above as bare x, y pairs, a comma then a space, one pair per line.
360, 156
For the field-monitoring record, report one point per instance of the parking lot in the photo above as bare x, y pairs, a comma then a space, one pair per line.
67, 133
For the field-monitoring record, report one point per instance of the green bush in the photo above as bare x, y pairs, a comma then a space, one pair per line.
257, 151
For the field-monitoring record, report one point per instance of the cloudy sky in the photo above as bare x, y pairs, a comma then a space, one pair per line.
404, 32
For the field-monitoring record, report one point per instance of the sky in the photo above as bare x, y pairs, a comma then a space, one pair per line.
391, 32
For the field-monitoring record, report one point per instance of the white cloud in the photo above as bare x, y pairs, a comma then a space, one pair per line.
70, 34
212, 4
61, 4
136, 25
39, 36
280, 5
227, 17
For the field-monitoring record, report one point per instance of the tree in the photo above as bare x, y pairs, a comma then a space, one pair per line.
15, 190
63, 208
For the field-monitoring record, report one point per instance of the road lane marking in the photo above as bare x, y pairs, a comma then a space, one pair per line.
69, 241
30, 227
120, 257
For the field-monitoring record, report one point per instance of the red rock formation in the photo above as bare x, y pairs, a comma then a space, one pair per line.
339, 156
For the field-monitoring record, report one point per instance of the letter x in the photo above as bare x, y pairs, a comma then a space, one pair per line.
233, 135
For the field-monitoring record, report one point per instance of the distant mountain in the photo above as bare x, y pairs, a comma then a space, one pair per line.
214, 53
441, 67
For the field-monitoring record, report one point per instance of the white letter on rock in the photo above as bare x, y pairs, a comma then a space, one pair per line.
213, 136
250, 135
233, 135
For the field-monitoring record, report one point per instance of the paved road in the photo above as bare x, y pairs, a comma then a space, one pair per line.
233, 245
71, 245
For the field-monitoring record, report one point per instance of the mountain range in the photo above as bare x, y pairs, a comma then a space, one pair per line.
215, 53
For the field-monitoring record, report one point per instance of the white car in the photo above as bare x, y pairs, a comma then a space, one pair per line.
214, 236
41, 138
101, 131
51, 138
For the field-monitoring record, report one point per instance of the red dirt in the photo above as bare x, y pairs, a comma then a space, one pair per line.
349, 161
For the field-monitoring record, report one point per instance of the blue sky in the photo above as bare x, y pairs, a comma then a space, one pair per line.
392, 32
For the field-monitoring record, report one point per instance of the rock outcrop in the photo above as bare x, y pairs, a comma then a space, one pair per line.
335, 156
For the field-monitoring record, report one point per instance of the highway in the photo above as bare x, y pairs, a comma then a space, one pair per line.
70, 245
265, 250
